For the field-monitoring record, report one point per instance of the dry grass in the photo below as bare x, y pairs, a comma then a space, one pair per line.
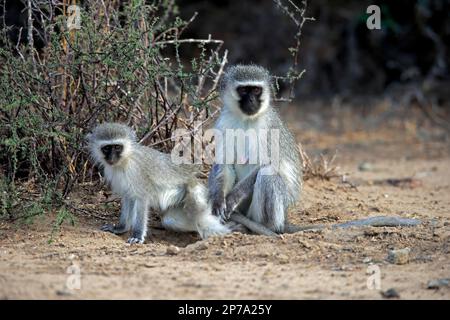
322, 167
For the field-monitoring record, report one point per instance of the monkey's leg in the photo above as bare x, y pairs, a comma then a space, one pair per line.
177, 220
242, 191
198, 210
268, 202
139, 228
127, 216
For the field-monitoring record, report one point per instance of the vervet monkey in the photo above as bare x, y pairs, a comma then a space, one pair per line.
258, 194
246, 94
146, 178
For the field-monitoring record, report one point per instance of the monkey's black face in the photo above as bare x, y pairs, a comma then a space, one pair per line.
250, 99
112, 153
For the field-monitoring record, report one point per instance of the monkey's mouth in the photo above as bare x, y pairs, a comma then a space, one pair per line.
111, 162
250, 109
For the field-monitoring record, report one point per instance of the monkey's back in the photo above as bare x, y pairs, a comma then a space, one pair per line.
155, 171
291, 165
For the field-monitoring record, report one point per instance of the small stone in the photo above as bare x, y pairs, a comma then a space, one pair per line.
438, 283
400, 256
305, 244
283, 259
367, 260
172, 250
365, 166
149, 265
201, 246
63, 293
390, 293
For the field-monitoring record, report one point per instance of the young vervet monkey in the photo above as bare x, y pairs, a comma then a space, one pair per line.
247, 105
146, 178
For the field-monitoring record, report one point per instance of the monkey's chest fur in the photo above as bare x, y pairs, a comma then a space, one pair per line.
251, 143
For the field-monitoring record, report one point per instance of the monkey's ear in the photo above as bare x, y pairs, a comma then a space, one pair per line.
88, 137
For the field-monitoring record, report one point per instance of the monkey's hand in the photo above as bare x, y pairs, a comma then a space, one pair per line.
219, 208
113, 228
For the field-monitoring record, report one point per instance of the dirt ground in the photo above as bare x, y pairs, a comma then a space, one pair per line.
324, 264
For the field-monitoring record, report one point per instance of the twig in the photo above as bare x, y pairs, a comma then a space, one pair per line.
177, 41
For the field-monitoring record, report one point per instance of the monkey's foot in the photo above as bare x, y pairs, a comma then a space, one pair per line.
213, 230
237, 227
113, 229
220, 210
133, 240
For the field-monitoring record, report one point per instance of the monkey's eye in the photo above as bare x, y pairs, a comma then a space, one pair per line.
106, 149
242, 91
256, 91
118, 147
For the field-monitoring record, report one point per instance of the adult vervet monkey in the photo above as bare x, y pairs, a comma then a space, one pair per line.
246, 93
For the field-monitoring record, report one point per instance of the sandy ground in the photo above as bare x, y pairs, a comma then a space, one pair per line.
323, 264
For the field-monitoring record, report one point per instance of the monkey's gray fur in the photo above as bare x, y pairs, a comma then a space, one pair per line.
145, 178
274, 190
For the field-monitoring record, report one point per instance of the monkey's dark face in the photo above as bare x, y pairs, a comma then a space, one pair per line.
112, 153
249, 99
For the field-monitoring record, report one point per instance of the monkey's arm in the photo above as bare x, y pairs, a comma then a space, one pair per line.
242, 190
127, 215
139, 227
220, 182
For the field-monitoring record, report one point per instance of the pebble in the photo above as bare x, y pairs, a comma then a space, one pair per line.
390, 293
63, 293
201, 246
365, 166
400, 256
345, 267
283, 259
438, 283
367, 260
172, 250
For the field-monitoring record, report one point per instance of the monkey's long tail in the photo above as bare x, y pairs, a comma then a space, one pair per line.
379, 221
252, 225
